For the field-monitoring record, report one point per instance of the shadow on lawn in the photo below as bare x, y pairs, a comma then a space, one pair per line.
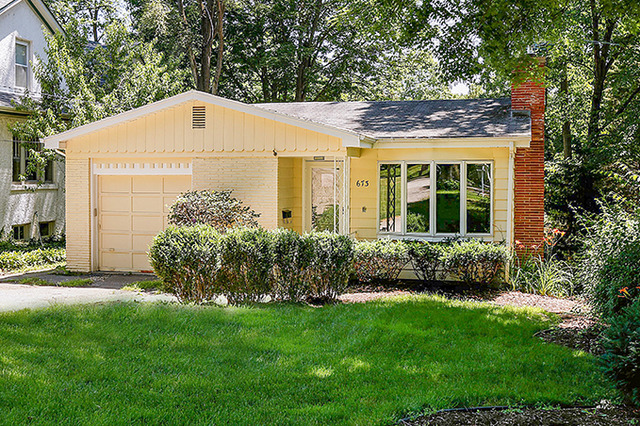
368, 363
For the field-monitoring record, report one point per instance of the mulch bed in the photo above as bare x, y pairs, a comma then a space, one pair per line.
531, 416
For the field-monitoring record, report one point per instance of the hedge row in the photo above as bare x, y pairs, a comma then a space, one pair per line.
471, 261
246, 265
197, 263
16, 260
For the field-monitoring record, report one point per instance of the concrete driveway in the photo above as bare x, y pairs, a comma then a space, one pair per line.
103, 288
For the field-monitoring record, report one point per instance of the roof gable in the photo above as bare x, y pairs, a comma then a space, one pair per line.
40, 9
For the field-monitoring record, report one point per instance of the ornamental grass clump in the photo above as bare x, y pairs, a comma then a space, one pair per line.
475, 262
380, 260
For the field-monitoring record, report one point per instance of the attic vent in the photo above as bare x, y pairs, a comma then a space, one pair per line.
198, 117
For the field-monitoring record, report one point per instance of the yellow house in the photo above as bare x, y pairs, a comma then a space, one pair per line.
418, 169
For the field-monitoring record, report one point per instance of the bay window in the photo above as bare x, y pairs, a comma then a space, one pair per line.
435, 198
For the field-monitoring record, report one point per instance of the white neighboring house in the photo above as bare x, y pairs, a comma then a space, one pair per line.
26, 207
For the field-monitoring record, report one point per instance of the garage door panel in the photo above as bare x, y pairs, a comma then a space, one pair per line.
115, 203
147, 204
141, 262
177, 184
115, 222
147, 184
115, 184
147, 224
117, 242
167, 201
116, 261
141, 243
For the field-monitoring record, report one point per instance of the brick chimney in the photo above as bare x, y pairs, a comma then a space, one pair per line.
529, 165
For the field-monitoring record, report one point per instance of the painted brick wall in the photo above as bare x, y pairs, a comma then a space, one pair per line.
253, 180
529, 166
78, 214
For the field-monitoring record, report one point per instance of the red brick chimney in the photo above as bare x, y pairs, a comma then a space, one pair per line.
529, 165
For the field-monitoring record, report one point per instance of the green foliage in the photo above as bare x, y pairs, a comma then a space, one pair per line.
78, 282
197, 264
246, 260
293, 256
533, 274
186, 259
215, 208
621, 358
19, 260
475, 262
611, 260
379, 260
426, 259
331, 265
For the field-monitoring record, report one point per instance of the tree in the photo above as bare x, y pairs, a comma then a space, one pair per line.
191, 31
81, 84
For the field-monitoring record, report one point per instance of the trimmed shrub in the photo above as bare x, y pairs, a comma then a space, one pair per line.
16, 260
621, 358
216, 208
380, 260
293, 256
475, 262
186, 260
246, 258
332, 261
426, 259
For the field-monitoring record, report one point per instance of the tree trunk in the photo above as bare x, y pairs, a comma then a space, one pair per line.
220, 34
566, 126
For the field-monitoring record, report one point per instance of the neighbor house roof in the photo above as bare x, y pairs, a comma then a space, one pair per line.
459, 118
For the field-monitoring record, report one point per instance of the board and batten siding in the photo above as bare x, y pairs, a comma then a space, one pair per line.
364, 199
226, 132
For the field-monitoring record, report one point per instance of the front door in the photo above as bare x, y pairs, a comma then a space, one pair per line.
324, 206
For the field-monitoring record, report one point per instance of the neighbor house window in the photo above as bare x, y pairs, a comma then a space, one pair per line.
20, 232
22, 157
435, 198
22, 64
46, 229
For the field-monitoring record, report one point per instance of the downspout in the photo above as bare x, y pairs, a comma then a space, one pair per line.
510, 209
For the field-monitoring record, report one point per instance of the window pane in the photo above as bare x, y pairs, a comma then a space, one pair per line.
418, 193
479, 198
390, 198
21, 76
448, 198
16, 161
323, 207
21, 54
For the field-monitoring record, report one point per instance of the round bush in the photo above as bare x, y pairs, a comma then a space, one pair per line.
426, 259
331, 264
475, 262
293, 255
216, 208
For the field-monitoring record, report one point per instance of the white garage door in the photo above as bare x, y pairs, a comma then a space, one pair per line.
131, 211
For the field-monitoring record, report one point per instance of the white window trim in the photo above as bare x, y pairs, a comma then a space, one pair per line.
26, 44
433, 235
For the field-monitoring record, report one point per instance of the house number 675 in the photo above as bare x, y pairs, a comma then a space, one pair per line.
362, 183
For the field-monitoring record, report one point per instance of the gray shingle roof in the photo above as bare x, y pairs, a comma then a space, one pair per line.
414, 119
5, 99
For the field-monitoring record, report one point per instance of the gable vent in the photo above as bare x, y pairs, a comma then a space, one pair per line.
198, 117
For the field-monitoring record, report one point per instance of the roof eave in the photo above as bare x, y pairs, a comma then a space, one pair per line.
502, 141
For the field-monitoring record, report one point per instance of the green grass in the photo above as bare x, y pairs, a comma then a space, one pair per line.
367, 364
79, 282
144, 285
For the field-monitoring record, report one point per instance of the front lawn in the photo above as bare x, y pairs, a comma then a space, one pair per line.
368, 363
